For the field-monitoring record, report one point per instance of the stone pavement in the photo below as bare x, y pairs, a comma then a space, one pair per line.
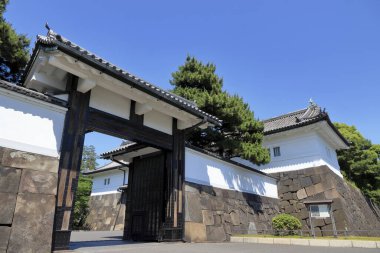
110, 242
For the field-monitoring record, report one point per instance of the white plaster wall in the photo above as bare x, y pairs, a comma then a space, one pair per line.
300, 150
116, 180
158, 121
107, 101
207, 170
30, 125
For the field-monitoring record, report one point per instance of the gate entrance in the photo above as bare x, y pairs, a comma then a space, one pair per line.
146, 198
98, 96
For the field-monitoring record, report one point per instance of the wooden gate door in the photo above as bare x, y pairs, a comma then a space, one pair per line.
147, 197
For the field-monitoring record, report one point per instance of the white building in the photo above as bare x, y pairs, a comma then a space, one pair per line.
299, 140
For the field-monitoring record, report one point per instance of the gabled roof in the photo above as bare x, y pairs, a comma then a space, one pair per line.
54, 41
310, 115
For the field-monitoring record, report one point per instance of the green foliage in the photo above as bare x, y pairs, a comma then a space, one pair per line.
286, 222
82, 197
13, 49
241, 134
360, 163
81, 208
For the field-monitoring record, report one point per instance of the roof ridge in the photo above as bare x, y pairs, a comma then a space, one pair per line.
283, 115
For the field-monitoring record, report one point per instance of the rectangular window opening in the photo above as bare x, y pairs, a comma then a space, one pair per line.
276, 151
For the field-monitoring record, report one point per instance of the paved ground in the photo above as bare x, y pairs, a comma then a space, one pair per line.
110, 242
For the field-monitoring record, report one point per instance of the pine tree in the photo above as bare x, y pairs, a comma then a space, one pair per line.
13, 49
240, 134
361, 162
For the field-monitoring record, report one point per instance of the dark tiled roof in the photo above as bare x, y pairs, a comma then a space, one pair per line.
294, 119
124, 148
56, 41
304, 117
31, 93
108, 167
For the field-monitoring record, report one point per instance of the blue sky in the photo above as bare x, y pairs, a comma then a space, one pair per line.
275, 54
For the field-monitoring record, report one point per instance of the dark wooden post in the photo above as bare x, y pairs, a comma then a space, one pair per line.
173, 225
70, 161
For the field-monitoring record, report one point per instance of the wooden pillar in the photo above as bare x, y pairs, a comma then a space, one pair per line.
70, 161
173, 225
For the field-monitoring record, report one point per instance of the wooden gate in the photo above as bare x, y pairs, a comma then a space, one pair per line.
147, 197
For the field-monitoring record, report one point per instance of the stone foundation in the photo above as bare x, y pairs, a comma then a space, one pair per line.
349, 206
214, 214
107, 212
28, 187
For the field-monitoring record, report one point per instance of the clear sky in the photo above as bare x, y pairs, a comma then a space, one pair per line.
275, 54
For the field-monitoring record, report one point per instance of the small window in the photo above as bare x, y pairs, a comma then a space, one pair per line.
108, 180
105, 181
276, 151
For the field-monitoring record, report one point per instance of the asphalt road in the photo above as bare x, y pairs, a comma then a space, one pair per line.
110, 242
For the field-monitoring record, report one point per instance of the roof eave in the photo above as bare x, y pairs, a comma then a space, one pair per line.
110, 71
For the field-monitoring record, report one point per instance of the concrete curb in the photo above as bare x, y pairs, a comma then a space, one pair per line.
308, 242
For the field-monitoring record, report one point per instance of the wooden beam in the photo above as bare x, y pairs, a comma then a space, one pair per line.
133, 130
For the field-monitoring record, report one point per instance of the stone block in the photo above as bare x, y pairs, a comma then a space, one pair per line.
205, 203
193, 208
316, 179
287, 182
217, 205
9, 179
301, 194
305, 182
318, 222
218, 220
283, 189
226, 218
4, 237
7, 207
216, 234
26, 160
287, 196
331, 194
208, 217
235, 218
32, 225
33, 181
195, 232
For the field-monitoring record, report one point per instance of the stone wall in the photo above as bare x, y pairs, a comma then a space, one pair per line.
107, 212
214, 214
28, 186
349, 206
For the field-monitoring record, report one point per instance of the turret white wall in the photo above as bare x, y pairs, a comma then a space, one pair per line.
115, 177
300, 150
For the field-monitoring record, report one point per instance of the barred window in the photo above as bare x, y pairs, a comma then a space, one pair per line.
276, 151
